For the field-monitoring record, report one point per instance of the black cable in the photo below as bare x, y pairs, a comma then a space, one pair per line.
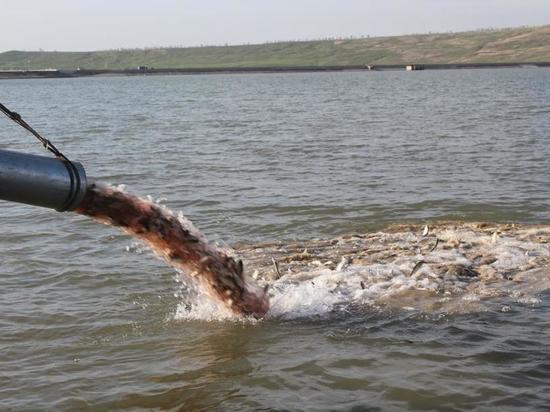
16, 117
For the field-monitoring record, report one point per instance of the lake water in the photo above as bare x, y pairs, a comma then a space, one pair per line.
91, 320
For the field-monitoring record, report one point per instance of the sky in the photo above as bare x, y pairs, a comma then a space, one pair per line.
82, 25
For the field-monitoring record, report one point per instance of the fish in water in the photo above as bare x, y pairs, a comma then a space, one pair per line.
176, 240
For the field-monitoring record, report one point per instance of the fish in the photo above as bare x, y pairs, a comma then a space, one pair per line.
180, 244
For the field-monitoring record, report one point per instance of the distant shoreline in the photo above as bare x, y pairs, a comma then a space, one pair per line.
54, 73
493, 48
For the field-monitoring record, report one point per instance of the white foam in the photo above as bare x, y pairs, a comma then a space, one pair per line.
195, 304
204, 309
318, 291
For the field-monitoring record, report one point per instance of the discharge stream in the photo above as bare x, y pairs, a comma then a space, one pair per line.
175, 239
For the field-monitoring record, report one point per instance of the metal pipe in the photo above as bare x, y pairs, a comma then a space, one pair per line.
41, 181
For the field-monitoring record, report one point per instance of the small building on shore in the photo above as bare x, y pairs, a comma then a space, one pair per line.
413, 67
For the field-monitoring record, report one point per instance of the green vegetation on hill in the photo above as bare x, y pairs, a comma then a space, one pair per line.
530, 44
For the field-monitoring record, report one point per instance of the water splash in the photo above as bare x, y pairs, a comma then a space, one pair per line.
175, 239
450, 268
457, 268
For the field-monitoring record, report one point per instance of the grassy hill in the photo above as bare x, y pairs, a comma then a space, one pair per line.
487, 46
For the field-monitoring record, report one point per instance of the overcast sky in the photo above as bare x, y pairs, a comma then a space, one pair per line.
107, 24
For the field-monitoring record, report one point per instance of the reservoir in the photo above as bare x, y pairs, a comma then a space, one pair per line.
273, 165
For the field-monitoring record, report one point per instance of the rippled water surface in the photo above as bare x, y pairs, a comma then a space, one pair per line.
91, 320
